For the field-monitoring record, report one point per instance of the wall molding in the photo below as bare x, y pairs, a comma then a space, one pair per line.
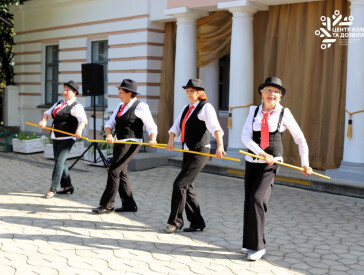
30, 94
136, 44
29, 52
73, 49
85, 24
27, 83
27, 73
72, 60
28, 63
139, 84
157, 97
89, 35
70, 72
135, 71
135, 58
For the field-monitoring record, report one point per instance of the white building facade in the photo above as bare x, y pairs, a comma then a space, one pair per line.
127, 36
54, 38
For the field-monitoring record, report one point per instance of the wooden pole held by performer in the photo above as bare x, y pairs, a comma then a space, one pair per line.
52, 129
284, 164
158, 145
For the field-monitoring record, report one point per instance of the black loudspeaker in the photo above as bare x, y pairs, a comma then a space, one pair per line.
92, 79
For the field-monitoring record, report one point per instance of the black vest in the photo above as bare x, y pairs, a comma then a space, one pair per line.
196, 134
129, 125
275, 147
64, 121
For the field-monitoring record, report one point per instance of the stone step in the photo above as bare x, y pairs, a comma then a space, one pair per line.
143, 161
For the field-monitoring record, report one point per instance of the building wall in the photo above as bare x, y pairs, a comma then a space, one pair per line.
135, 49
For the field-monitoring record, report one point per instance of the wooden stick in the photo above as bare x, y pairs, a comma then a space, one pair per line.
199, 153
52, 129
127, 142
158, 145
284, 164
162, 146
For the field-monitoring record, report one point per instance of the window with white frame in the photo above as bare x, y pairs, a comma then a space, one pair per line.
99, 55
51, 74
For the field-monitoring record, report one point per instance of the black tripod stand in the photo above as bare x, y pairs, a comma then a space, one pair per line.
93, 145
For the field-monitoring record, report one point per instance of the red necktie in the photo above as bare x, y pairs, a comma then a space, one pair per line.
59, 108
264, 132
121, 110
184, 123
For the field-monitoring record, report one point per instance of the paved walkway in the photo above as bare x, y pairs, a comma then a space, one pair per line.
307, 232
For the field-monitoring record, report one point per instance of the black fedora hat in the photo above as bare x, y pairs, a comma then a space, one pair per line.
195, 84
274, 82
72, 85
129, 85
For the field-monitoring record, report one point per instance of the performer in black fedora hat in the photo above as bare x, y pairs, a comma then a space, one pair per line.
193, 124
68, 115
262, 135
127, 120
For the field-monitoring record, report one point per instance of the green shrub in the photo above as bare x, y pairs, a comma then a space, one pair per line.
106, 146
25, 136
49, 140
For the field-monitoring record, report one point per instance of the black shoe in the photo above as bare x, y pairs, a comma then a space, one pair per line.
122, 209
193, 229
66, 190
101, 210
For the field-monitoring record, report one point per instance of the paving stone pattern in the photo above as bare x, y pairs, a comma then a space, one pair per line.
307, 232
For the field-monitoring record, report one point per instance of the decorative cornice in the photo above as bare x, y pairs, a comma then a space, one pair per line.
184, 12
254, 6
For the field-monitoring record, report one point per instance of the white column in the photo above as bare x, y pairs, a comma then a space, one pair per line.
185, 62
209, 74
352, 165
241, 73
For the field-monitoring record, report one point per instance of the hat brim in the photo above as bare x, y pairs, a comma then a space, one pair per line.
193, 87
125, 88
262, 86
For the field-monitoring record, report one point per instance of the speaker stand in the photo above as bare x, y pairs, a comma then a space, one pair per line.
93, 145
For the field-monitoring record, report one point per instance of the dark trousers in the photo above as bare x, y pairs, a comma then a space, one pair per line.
184, 192
60, 175
259, 179
117, 179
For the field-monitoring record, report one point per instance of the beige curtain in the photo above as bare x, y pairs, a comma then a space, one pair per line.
213, 42
213, 37
285, 46
165, 108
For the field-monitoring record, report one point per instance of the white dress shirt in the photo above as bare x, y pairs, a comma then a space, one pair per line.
77, 111
206, 114
141, 111
288, 122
